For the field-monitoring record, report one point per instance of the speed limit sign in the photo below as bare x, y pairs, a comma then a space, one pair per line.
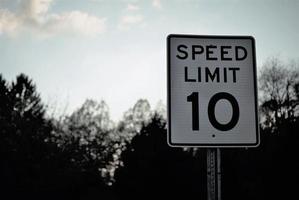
212, 91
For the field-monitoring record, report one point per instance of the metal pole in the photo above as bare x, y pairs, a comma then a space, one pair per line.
213, 174
211, 179
219, 173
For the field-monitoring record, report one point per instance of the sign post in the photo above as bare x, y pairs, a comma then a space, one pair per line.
213, 174
219, 173
212, 96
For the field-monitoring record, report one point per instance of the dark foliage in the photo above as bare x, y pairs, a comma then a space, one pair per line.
270, 171
154, 170
278, 84
32, 165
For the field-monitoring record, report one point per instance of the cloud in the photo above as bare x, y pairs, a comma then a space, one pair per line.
132, 19
72, 22
35, 8
34, 17
157, 4
9, 23
127, 21
132, 7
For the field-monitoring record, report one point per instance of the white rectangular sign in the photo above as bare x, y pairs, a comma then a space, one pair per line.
212, 91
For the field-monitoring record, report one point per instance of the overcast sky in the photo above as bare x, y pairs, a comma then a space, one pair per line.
115, 50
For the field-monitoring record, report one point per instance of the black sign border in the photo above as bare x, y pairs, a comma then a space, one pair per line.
215, 145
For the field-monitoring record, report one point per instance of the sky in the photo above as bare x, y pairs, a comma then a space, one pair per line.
115, 50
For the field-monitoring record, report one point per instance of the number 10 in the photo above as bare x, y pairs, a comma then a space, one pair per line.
194, 99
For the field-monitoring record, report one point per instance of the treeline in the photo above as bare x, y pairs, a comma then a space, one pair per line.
85, 155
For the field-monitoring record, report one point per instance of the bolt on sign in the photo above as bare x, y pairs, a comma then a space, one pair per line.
212, 91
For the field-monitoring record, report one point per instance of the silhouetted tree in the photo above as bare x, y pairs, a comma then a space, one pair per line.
151, 169
25, 152
160, 109
278, 84
4, 99
87, 137
5, 112
26, 101
134, 119
130, 125
35, 163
